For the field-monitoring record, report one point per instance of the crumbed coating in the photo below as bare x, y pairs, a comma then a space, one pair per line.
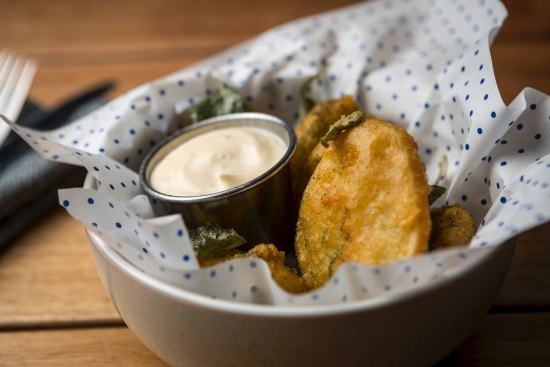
365, 202
286, 277
451, 226
309, 131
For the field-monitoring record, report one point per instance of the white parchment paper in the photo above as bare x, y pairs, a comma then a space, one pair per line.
424, 65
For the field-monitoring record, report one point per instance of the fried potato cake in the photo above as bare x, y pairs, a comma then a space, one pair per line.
365, 202
451, 226
309, 131
343, 124
286, 277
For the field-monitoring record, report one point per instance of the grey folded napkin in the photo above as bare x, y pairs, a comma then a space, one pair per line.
28, 183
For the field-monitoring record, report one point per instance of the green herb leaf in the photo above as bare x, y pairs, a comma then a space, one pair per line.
343, 124
435, 193
306, 103
210, 239
222, 102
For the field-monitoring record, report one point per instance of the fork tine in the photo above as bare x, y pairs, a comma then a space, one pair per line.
16, 75
10, 81
20, 88
5, 70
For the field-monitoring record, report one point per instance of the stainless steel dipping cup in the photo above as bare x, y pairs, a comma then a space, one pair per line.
260, 210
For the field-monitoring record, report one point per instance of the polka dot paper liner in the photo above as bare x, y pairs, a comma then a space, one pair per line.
424, 65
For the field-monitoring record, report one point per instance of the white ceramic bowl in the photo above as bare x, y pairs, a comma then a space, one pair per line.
417, 328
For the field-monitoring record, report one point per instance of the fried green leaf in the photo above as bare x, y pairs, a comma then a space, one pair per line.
343, 124
435, 193
211, 239
451, 226
222, 102
306, 102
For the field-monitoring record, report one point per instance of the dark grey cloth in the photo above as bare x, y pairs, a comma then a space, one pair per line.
28, 183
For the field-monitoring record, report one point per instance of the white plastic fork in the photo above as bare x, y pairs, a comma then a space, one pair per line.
16, 76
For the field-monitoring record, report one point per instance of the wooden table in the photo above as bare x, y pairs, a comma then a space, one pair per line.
53, 311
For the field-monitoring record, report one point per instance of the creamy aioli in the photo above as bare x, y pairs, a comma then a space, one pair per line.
217, 160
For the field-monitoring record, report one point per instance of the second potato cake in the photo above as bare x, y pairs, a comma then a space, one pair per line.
366, 202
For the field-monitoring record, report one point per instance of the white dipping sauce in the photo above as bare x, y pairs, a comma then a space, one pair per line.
217, 160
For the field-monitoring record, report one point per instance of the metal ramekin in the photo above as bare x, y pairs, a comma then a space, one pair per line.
260, 210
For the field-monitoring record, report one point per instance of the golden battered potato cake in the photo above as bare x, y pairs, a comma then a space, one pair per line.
310, 130
311, 163
343, 124
286, 277
367, 202
451, 226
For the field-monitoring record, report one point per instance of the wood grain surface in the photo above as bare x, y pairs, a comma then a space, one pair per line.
53, 310
106, 346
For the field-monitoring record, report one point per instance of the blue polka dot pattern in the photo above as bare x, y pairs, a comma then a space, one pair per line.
100, 212
423, 65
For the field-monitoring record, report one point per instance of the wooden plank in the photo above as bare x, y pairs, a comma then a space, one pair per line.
33, 25
54, 83
505, 340
185, 36
527, 284
75, 347
520, 65
514, 65
527, 20
134, 44
47, 277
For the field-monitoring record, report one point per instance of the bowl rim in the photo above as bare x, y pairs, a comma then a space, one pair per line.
275, 311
